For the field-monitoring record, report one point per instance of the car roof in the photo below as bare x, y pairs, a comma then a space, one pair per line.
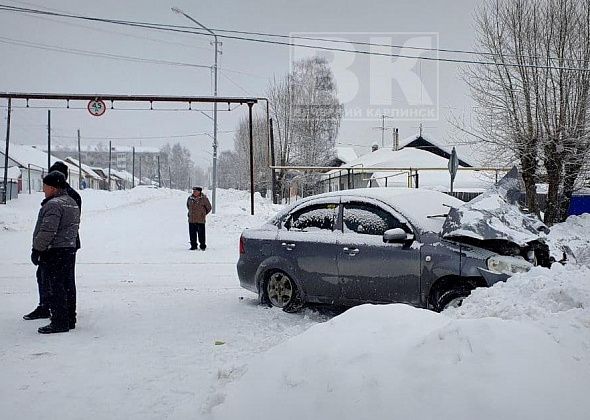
413, 203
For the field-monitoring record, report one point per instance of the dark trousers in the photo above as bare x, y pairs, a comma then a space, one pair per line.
57, 268
197, 230
43, 289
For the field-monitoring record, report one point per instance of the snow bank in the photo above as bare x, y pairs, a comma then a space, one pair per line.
396, 361
574, 236
556, 300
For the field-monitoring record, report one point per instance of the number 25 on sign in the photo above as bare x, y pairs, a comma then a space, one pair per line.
97, 107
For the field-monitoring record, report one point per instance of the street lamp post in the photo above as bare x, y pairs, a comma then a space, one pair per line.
214, 181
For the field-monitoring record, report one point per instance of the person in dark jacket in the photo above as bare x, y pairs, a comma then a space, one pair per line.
42, 310
54, 248
198, 206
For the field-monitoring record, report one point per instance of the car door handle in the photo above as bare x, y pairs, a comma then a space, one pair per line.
288, 246
352, 252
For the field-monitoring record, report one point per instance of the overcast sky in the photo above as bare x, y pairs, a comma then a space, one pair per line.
245, 68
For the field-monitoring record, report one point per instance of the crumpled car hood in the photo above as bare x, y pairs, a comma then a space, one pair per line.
495, 215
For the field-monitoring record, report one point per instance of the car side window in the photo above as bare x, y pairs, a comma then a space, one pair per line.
320, 217
368, 219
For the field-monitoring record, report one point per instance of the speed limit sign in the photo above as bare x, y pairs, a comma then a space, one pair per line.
97, 107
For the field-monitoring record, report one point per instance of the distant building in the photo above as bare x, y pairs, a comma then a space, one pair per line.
32, 162
121, 156
419, 162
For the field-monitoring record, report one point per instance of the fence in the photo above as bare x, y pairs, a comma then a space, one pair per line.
12, 188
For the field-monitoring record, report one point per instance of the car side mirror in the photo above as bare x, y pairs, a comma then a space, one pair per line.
397, 235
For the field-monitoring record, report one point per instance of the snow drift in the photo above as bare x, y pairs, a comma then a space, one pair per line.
395, 361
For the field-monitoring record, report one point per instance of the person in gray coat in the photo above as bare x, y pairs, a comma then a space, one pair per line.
42, 310
54, 247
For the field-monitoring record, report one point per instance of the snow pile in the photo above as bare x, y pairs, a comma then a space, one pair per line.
556, 300
573, 236
396, 361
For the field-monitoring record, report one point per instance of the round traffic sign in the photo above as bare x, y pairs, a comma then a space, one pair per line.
97, 107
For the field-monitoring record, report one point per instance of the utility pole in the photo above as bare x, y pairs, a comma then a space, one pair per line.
48, 139
383, 128
382, 131
133, 168
216, 43
251, 160
6, 153
110, 154
139, 168
272, 162
159, 174
79, 162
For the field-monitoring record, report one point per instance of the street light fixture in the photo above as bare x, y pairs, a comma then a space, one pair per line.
216, 43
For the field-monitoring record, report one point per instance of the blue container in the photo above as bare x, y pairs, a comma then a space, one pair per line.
579, 204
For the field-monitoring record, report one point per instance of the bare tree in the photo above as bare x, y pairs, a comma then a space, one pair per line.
533, 102
242, 149
307, 114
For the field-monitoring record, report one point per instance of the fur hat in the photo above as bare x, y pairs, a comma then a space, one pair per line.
61, 167
200, 189
55, 179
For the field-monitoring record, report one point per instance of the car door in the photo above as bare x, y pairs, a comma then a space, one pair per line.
369, 269
308, 240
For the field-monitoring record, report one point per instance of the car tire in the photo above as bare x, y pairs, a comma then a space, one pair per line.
281, 291
452, 297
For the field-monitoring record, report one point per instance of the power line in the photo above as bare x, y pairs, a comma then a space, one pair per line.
176, 136
48, 19
74, 51
176, 28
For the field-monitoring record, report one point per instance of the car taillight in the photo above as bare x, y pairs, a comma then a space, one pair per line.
242, 247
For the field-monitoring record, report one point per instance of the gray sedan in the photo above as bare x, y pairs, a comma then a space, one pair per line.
376, 245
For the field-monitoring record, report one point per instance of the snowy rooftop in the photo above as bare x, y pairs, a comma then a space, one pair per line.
444, 147
346, 154
13, 172
26, 155
85, 167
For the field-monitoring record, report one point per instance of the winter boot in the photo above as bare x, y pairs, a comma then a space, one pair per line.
53, 328
40, 312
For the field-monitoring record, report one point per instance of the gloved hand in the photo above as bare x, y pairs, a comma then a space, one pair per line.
35, 256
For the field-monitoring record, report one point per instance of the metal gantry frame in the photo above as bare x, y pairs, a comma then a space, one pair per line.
112, 98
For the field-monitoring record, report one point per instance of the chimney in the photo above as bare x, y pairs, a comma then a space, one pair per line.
395, 139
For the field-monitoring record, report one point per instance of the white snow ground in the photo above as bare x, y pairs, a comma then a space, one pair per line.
150, 312
149, 309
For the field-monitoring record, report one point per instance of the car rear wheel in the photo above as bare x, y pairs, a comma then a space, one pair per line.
281, 292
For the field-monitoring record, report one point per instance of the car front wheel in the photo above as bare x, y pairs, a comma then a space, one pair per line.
451, 298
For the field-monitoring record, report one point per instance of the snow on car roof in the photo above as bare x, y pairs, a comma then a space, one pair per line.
414, 204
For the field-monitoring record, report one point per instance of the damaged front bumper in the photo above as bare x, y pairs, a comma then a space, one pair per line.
491, 277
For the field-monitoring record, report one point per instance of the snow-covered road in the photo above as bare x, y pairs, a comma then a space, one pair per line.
150, 312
